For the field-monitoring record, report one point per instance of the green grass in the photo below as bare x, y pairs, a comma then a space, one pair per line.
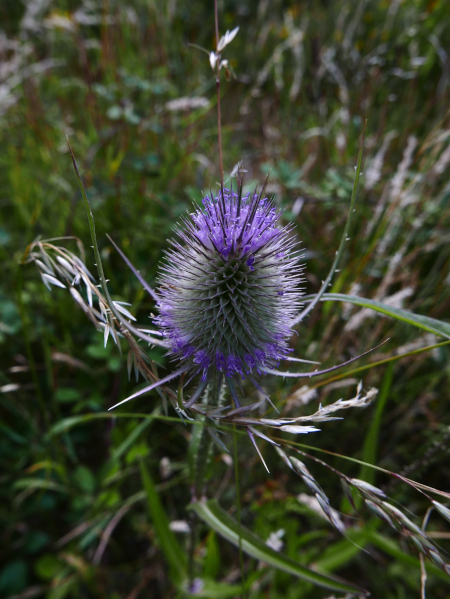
85, 496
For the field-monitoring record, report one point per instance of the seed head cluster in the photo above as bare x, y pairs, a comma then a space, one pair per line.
229, 291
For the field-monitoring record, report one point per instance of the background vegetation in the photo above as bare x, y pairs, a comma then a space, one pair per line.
73, 508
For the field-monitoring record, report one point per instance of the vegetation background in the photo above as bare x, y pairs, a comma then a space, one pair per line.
73, 509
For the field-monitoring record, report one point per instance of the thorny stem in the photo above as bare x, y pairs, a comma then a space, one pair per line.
219, 117
201, 455
201, 462
238, 503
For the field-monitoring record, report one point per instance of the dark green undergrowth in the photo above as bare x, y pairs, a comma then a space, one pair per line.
83, 495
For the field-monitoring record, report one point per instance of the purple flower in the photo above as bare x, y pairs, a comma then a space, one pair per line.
229, 292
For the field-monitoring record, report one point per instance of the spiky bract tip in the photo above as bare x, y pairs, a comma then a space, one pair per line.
230, 289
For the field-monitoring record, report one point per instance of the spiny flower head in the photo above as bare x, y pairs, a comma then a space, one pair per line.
230, 289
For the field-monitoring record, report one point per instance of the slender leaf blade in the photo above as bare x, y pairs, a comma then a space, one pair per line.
213, 515
432, 325
72, 421
394, 549
371, 442
172, 551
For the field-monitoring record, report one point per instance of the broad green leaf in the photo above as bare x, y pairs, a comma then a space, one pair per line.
432, 325
211, 513
172, 551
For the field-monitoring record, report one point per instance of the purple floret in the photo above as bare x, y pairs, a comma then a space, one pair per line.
230, 290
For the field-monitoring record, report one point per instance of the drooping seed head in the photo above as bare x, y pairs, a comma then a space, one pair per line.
230, 289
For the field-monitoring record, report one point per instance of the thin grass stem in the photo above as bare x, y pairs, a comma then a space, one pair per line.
344, 238
219, 115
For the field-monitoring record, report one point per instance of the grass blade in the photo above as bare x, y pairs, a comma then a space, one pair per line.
68, 423
432, 325
211, 513
390, 360
169, 545
369, 453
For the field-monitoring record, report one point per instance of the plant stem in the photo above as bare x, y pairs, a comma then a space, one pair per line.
344, 237
200, 455
202, 461
219, 115
238, 504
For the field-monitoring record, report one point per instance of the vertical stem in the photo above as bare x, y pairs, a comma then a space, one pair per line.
200, 451
216, 17
193, 520
202, 461
219, 115
238, 503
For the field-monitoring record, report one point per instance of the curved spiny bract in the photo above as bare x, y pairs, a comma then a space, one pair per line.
229, 291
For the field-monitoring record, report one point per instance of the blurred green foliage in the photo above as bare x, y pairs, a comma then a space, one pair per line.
74, 494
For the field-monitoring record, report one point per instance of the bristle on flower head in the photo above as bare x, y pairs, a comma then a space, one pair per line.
230, 290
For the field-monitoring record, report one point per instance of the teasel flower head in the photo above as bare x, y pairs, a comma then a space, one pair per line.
230, 288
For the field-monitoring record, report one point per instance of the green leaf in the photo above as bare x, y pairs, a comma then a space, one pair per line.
393, 549
84, 479
172, 551
131, 439
47, 567
219, 590
211, 513
212, 559
438, 327
342, 552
